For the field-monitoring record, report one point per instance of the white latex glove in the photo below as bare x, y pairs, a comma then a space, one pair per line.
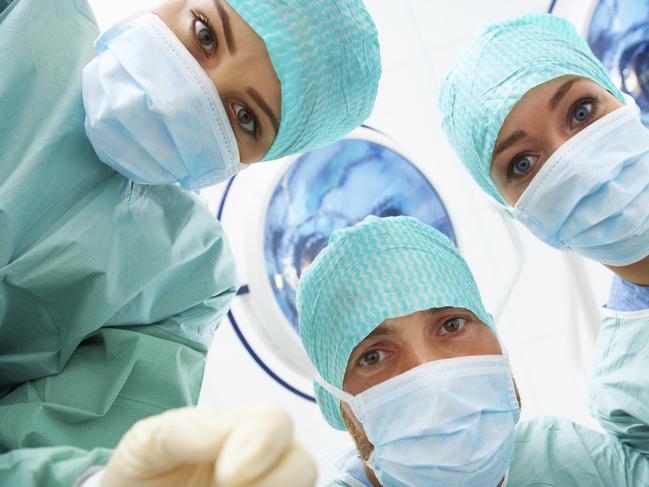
191, 447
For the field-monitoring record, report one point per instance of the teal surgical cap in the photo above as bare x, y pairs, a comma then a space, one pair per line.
381, 268
504, 62
326, 56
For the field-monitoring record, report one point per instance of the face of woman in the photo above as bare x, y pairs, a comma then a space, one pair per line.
236, 60
544, 118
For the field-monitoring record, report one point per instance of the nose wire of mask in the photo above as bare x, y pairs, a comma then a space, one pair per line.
152, 113
592, 194
446, 422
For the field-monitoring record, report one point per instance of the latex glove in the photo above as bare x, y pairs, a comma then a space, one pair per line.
192, 447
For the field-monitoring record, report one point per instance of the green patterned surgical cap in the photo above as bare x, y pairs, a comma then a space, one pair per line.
504, 62
326, 56
380, 268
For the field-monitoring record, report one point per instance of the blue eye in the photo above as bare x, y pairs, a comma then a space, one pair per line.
582, 112
521, 166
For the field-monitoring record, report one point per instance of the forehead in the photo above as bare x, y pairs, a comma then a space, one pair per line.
401, 324
544, 92
524, 114
251, 51
249, 45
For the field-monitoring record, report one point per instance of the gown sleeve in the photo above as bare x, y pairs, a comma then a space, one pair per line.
560, 453
114, 378
619, 396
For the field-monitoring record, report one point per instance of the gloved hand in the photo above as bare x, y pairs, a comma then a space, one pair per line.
191, 447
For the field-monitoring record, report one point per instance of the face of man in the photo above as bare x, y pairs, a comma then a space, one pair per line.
400, 344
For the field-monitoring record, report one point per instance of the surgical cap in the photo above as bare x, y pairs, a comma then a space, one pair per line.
326, 56
381, 268
504, 62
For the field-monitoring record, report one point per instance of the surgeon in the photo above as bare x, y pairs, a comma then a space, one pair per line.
113, 278
410, 363
541, 127
194, 91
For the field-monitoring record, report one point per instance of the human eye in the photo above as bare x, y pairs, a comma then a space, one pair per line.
452, 325
582, 111
521, 166
246, 118
371, 357
204, 34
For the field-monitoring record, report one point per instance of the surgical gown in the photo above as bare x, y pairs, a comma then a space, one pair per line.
553, 452
110, 292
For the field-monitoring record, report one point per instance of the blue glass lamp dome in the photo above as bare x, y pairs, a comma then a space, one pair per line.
619, 36
336, 187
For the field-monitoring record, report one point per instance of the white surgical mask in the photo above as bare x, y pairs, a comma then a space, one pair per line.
152, 113
444, 423
592, 194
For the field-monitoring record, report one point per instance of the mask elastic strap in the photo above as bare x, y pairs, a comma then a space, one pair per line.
507, 208
333, 390
629, 100
511, 378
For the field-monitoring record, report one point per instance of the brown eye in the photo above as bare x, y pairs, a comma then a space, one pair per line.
245, 118
370, 358
453, 326
205, 35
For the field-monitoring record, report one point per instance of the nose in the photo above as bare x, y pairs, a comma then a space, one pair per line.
554, 138
423, 351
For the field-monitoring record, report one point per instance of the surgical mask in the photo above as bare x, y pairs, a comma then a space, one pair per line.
592, 194
152, 113
446, 422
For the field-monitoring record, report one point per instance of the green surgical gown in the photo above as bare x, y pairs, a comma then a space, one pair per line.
619, 394
110, 292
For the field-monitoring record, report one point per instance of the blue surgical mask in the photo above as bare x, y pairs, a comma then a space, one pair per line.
446, 422
152, 113
592, 194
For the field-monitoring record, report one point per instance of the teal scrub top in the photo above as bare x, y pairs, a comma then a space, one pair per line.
110, 292
553, 452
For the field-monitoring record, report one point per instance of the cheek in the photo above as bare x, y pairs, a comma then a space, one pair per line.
511, 191
355, 383
489, 343
249, 153
481, 341
247, 156
357, 380
514, 194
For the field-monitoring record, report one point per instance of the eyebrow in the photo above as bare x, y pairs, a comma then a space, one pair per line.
560, 93
254, 94
383, 330
227, 31
509, 141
